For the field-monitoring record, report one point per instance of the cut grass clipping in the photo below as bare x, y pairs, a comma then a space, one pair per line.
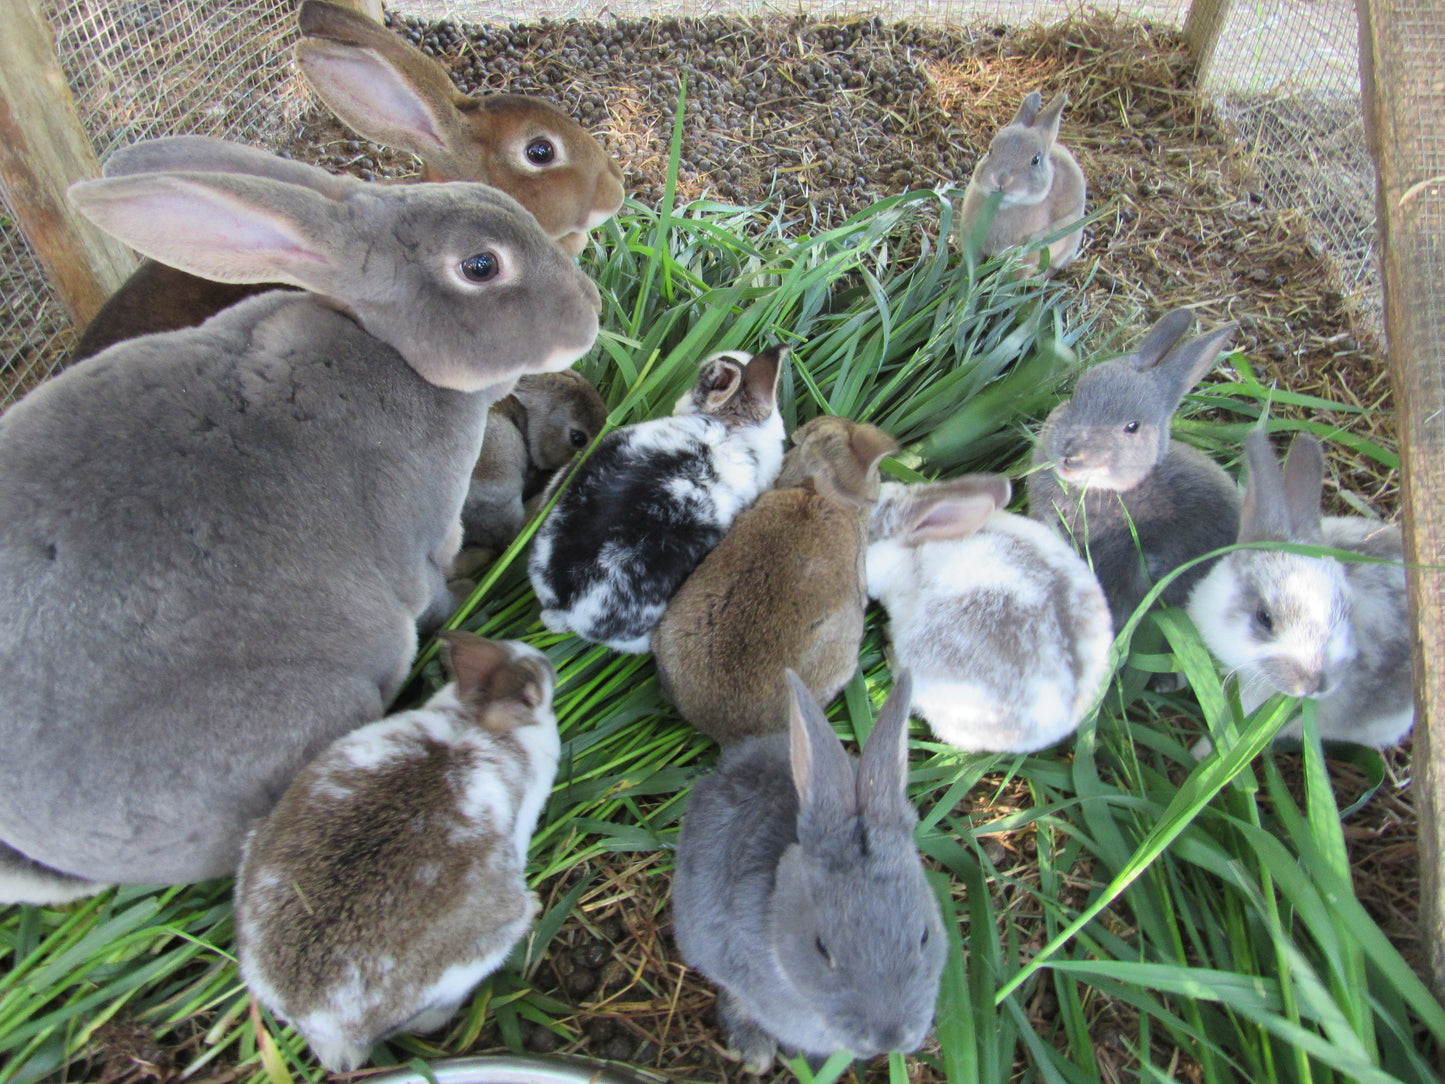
1120, 911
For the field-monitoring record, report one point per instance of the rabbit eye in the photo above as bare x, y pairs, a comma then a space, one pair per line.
540, 152
1036, 159
481, 267
1131, 427
1264, 619
823, 950
578, 438
923, 941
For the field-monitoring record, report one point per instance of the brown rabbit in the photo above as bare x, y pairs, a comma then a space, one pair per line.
784, 589
396, 95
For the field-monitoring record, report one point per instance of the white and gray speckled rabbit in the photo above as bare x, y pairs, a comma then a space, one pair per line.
1041, 185
653, 498
388, 881
394, 94
1335, 631
799, 891
1108, 473
216, 544
782, 590
548, 418
1002, 625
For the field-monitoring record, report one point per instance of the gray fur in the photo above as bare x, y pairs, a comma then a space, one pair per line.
215, 544
1106, 470
1336, 631
1040, 182
800, 893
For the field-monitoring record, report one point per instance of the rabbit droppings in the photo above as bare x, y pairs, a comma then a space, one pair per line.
216, 543
1335, 631
783, 589
799, 891
1106, 470
1002, 625
1040, 184
392, 93
653, 498
388, 881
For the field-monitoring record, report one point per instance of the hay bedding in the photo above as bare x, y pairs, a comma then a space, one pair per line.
819, 120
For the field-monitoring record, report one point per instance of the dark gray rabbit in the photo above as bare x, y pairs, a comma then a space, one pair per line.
1336, 631
653, 498
1106, 470
216, 543
800, 893
388, 881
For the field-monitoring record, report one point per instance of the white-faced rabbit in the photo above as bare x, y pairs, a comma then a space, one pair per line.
1335, 631
1041, 184
388, 881
1136, 504
800, 893
393, 93
216, 543
653, 498
782, 590
1002, 625
547, 419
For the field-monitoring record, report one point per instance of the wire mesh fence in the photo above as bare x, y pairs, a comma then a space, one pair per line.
1285, 75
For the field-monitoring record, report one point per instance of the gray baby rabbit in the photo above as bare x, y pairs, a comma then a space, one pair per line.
1335, 631
1002, 625
547, 419
216, 543
388, 881
783, 589
653, 498
1107, 471
800, 893
1041, 184
392, 93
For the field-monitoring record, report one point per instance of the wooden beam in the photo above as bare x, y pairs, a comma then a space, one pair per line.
366, 7
1202, 27
43, 149
1402, 72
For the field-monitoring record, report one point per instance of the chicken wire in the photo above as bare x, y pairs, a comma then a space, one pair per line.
1285, 73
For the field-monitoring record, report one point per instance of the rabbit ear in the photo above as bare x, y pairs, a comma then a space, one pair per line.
203, 154
870, 444
822, 772
1188, 363
721, 380
956, 509
487, 673
760, 375
1162, 337
883, 765
1047, 122
1029, 109
1304, 480
1264, 516
221, 226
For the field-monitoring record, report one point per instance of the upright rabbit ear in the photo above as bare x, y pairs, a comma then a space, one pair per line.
883, 766
719, 381
203, 154
1265, 515
1047, 122
380, 86
956, 509
221, 226
822, 772
1304, 482
869, 445
1029, 109
1162, 337
472, 662
1189, 362
760, 375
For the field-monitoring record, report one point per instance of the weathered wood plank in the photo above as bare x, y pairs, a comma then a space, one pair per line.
1202, 27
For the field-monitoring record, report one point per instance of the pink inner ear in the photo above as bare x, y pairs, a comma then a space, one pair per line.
366, 92
953, 518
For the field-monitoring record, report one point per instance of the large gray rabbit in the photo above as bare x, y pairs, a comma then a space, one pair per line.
1335, 631
216, 543
800, 893
1136, 504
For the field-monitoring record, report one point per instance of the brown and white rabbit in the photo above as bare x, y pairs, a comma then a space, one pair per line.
1136, 504
1041, 185
1335, 631
548, 419
388, 881
782, 590
1002, 625
216, 544
396, 95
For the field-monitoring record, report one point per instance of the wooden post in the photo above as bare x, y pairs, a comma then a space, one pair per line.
43, 150
366, 7
1202, 27
1403, 43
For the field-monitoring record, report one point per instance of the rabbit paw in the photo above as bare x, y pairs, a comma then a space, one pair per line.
747, 1041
